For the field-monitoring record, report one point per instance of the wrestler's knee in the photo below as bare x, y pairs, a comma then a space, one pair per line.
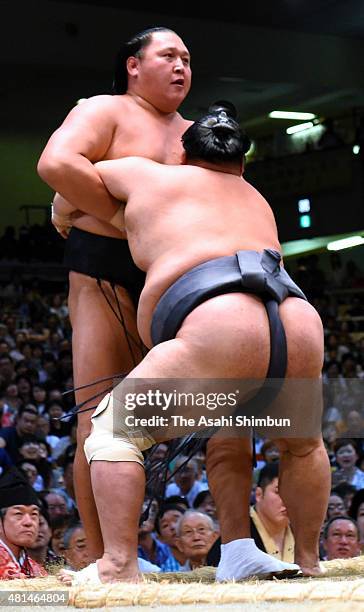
111, 439
299, 447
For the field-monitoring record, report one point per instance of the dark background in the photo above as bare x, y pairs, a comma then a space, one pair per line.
262, 55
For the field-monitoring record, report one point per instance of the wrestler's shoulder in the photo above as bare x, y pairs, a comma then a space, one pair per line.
102, 103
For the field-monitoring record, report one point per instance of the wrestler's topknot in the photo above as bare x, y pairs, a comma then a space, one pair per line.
216, 137
132, 48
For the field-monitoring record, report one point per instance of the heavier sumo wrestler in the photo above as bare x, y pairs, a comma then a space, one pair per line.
178, 220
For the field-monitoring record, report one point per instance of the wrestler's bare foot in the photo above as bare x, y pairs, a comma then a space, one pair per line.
105, 570
311, 570
112, 569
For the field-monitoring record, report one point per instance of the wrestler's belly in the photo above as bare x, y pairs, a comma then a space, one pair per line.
94, 226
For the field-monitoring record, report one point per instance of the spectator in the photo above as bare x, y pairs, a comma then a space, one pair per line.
41, 551
75, 546
10, 403
42, 431
56, 427
356, 512
57, 505
341, 538
196, 535
336, 506
185, 480
179, 501
149, 546
39, 397
24, 388
269, 523
59, 526
19, 507
204, 502
166, 523
30, 471
269, 451
346, 492
7, 370
13, 437
346, 454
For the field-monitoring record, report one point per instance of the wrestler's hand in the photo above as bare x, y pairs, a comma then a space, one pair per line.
62, 223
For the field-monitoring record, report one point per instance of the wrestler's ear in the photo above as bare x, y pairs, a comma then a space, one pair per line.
132, 65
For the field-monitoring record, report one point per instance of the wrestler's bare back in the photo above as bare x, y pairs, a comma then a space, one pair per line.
179, 216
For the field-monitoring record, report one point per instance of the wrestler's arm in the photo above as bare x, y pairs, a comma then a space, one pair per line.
122, 176
67, 162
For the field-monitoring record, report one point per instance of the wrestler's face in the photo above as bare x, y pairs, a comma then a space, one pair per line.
162, 75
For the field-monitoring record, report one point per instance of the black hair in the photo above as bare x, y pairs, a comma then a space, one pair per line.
167, 508
343, 488
216, 137
267, 474
339, 518
132, 48
200, 498
356, 502
28, 408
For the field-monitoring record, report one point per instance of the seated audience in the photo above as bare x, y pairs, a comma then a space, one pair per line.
346, 455
166, 522
185, 480
356, 511
19, 508
75, 547
335, 507
269, 523
41, 551
341, 538
196, 534
11, 438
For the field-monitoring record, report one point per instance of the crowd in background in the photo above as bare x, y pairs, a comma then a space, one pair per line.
36, 390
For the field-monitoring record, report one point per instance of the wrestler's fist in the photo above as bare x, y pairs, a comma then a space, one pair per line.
62, 223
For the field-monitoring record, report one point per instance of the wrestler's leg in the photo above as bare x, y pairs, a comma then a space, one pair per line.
99, 349
229, 470
305, 477
304, 361
204, 351
304, 485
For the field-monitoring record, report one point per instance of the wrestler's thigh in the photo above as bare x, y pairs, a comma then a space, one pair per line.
229, 336
305, 338
100, 345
